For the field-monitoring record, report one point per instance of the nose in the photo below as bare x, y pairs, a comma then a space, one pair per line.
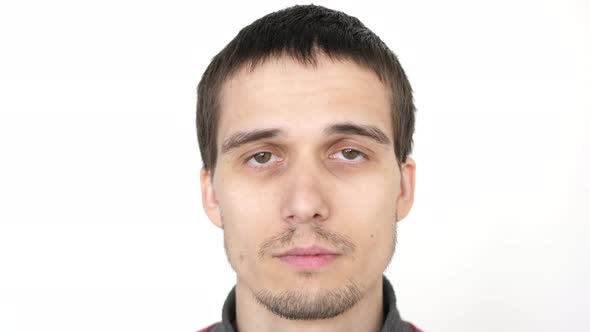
305, 199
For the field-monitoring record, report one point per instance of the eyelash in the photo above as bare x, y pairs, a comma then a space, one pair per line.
262, 166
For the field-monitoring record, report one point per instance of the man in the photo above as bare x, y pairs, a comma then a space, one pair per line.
305, 122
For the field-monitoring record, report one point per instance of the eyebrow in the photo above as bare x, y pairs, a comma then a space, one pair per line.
350, 128
244, 137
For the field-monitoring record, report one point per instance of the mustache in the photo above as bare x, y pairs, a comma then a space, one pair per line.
337, 240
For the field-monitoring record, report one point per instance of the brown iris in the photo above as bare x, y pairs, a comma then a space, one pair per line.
350, 153
262, 157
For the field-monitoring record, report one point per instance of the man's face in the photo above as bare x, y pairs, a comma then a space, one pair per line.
319, 170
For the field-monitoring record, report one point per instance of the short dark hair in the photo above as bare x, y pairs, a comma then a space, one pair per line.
302, 32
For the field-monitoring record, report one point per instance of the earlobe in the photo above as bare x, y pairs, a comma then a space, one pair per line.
209, 198
405, 200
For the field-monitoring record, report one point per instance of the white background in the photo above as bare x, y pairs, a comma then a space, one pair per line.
101, 226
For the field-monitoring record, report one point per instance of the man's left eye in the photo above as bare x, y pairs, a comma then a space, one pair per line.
351, 154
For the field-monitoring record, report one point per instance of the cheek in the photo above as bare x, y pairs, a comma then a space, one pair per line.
370, 212
247, 215
374, 198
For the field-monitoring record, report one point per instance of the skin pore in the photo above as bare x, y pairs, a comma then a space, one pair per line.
305, 157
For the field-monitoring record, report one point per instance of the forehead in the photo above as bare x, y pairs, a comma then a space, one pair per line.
303, 99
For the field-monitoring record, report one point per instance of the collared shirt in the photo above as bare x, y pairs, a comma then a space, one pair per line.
391, 323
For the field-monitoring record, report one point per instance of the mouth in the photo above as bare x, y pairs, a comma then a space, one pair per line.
308, 257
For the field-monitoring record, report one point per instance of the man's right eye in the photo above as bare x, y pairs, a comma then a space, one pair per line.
260, 159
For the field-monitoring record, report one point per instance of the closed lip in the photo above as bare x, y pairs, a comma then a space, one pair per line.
307, 251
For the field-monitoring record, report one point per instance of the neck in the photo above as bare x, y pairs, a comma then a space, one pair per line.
366, 315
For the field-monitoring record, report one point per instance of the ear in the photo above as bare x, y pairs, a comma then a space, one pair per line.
209, 199
405, 200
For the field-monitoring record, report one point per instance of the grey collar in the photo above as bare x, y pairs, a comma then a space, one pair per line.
392, 322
